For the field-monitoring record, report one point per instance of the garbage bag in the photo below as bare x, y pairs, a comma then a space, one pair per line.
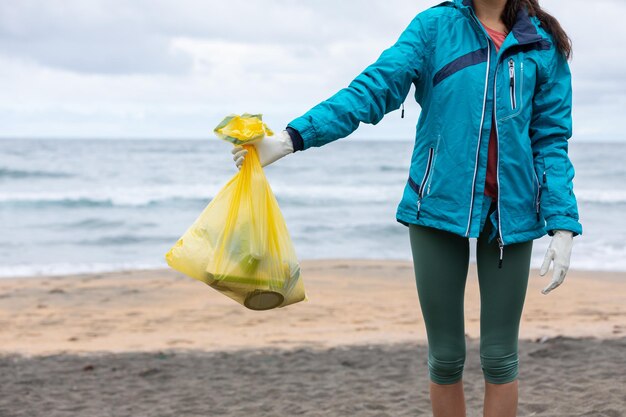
240, 245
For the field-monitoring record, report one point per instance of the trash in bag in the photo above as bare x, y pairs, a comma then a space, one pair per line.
240, 245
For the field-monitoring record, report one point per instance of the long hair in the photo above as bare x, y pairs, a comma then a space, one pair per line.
548, 22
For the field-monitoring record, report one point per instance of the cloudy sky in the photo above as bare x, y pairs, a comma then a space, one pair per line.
173, 69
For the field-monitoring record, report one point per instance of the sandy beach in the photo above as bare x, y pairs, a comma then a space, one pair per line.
146, 343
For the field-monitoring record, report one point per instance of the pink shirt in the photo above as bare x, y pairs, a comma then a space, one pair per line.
491, 182
496, 37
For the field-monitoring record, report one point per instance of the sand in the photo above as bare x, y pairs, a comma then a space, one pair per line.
156, 343
561, 377
350, 302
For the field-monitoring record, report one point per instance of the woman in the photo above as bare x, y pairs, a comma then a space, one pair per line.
490, 162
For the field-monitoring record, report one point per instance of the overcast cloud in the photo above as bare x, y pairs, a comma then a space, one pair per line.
173, 69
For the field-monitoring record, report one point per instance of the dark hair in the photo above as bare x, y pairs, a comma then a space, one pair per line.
548, 22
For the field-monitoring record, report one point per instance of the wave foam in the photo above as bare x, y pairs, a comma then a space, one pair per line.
132, 196
21, 271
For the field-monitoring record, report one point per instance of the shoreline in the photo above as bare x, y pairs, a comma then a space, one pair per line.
352, 302
605, 273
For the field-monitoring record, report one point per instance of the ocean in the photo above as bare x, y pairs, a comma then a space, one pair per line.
76, 206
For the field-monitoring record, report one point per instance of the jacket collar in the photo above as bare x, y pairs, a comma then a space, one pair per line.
523, 29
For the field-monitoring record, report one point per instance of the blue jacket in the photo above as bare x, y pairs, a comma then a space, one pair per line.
460, 81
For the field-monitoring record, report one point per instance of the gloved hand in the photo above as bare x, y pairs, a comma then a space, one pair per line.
270, 149
559, 250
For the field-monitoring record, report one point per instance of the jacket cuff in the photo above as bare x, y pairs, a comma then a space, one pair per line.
564, 223
307, 131
296, 139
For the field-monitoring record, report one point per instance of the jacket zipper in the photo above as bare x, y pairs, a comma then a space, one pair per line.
512, 83
495, 113
500, 240
431, 152
480, 134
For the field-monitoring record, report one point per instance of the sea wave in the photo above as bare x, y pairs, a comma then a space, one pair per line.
148, 195
392, 168
18, 174
93, 224
126, 239
351, 193
109, 197
297, 195
601, 196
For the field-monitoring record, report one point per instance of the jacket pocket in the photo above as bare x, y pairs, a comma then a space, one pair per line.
541, 178
427, 171
515, 88
427, 174
537, 196
512, 83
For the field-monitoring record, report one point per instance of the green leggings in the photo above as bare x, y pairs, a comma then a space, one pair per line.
441, 261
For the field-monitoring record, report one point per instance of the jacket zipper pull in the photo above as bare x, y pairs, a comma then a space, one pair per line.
419, 203
501, 252
402, 116
544, 177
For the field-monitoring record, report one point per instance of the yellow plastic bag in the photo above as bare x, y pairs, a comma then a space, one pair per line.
240, 245
243, 130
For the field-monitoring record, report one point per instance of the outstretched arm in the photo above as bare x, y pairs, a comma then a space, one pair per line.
381, 88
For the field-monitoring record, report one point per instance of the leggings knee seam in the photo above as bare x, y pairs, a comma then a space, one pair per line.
446, 371
501, 369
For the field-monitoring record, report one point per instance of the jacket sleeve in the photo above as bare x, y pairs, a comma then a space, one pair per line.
381, 88
550, 130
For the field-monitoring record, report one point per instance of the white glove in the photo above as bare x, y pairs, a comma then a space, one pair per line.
269, 149
559, 250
